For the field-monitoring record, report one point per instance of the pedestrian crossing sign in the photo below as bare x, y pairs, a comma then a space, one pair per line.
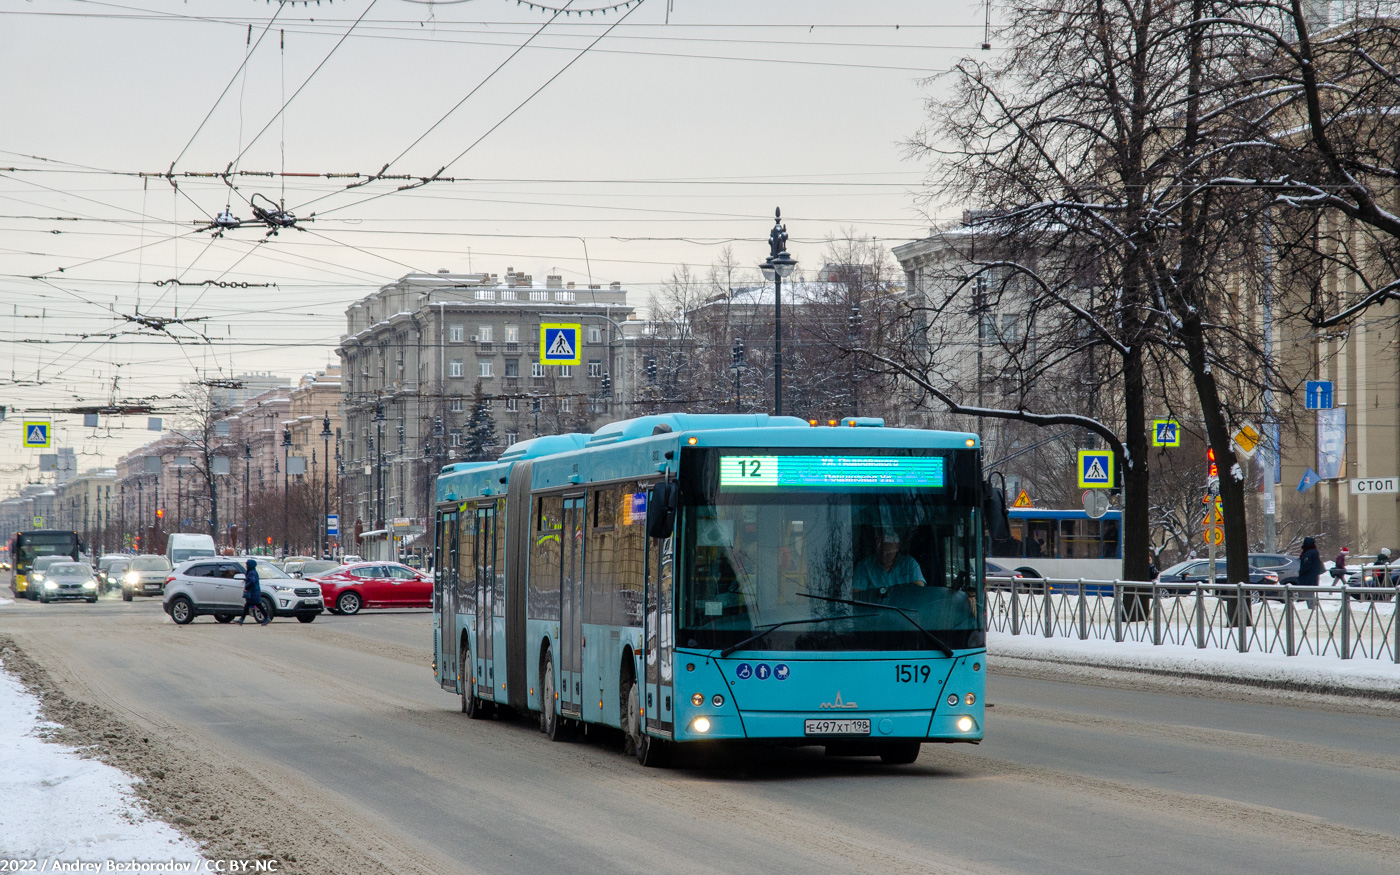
36, 434
559, 344
1095, 469
1166, 433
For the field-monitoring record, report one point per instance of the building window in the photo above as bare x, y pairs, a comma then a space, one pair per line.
512, 404
454, 368
512, 367
595, 334
595, 368
566, 405
456, 333
456, 405
536, 405
512, 437
483, 367
566, 370
483, 333
512, 334
454, 438
536, 369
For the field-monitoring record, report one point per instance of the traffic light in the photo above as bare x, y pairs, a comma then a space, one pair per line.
1210, 457
651, 370
160, 513
607, 384
269, 540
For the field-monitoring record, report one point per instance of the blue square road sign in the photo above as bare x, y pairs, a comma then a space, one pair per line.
1319, 394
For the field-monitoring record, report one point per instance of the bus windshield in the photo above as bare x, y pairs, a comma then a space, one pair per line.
32, 545
886, 569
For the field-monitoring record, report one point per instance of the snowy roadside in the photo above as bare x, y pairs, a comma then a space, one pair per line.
1369, 678
61, 807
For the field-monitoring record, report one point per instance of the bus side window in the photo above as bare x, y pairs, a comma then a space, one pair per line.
600, 575
627, 563
1109, 541
543, 597
466, 561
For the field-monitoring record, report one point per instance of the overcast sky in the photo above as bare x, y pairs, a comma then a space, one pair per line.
674, 135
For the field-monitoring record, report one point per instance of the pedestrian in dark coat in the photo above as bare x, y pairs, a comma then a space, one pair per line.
1309, 568
252, 594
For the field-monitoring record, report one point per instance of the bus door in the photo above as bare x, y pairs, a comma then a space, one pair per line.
571, 612
485, 583
444, 580
660, 642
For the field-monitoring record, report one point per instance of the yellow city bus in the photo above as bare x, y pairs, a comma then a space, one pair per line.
25, 547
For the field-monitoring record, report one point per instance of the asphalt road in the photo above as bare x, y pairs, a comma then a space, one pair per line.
1073, 778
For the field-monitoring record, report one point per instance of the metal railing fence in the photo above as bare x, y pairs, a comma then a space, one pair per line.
1348, 622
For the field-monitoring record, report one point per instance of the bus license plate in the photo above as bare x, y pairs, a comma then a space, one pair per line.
837, 727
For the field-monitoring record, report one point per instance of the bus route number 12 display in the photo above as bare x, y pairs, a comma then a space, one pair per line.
818, 472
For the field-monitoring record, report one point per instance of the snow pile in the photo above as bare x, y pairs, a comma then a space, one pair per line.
5, 601
1320, 673
61, 807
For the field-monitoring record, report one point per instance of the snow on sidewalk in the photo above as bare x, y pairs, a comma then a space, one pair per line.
1320, 673
59, 806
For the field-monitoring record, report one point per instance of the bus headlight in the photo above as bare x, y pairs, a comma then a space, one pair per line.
964, 724
970, 699
952, 698
701, 724
697, 699
717, 701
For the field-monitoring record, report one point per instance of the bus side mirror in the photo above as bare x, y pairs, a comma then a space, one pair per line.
994, 512
661, 509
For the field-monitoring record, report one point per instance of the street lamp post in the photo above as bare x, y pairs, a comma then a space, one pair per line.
778, 265
737, 366
379, 419
286, 486
247, 469
326, 487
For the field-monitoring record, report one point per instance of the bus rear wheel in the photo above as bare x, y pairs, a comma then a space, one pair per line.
901, 754
551, 724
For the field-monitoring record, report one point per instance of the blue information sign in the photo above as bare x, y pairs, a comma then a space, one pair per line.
1319, 394
333, 524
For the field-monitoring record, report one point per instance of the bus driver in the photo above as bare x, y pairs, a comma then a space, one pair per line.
876, 575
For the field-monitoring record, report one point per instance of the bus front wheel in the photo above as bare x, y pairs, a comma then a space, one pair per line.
472, 705
650, 752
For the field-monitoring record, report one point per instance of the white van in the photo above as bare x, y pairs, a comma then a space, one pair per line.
183, 547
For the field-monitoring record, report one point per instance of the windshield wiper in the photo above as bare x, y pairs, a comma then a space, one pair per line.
766, 629
938, 642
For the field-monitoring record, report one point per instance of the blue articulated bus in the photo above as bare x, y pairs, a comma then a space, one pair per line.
687, 578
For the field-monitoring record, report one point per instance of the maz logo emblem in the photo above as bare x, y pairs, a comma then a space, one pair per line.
838, 703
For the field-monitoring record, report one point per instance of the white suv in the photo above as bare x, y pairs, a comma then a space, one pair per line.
215, 586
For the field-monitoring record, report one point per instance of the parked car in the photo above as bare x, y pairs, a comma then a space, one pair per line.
349, 588
351, 559
37, 571
215, 586
1194, 571
68, 581
1286, 567
110, 569
309, 567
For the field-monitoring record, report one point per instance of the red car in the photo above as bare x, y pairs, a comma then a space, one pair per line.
374, 585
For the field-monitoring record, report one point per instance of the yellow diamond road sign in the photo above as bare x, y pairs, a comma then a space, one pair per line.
560, 343
1247, 438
